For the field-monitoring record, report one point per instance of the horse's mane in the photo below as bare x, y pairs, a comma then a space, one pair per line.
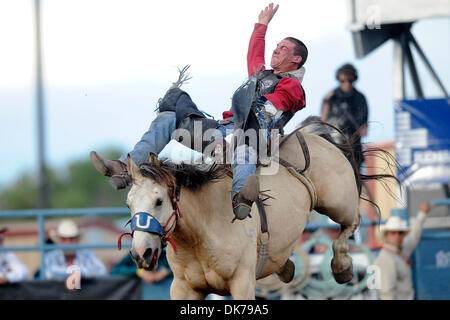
190, 176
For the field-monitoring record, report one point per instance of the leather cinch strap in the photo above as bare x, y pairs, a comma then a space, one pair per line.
299, 174
307, 183
264, 249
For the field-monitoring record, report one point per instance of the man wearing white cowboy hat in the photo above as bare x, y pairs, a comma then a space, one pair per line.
57, 261
399, 241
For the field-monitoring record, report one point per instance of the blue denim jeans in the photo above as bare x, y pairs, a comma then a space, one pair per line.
160, 133
243, 165
155, 139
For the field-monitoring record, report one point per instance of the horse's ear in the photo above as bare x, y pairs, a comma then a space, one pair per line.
133, 169
153, 160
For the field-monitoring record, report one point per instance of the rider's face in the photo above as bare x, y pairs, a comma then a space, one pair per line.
283, 58
395, 238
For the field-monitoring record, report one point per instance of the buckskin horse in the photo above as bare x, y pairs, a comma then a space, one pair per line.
189, 206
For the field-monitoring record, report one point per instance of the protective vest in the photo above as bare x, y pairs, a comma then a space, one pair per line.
245, 99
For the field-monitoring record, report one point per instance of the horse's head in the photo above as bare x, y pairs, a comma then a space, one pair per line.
153, 208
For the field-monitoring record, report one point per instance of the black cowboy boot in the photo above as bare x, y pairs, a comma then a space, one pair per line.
115, 169
242, 201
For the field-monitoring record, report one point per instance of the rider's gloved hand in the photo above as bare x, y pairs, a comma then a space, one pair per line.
270, 112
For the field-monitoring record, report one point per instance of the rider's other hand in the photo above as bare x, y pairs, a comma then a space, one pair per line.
160, 275
267, 14
425, 207
148, 276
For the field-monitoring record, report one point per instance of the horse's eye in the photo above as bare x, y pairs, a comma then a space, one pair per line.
158, 202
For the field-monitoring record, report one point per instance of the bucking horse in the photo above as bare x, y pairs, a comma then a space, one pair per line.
189, 207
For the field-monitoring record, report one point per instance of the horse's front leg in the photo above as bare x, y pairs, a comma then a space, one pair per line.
242, 285
181, 290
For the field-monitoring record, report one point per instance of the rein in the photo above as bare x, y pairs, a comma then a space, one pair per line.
144, 221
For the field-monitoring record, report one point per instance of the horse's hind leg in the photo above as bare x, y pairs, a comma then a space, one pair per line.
341, 264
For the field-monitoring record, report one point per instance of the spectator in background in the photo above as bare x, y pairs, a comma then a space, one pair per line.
11, 269
346, 108
393, 260
157, 281
57, 261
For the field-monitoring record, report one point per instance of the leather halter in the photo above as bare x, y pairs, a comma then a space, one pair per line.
144, 221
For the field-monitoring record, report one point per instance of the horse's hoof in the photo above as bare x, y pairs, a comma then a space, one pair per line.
344, 276
287, 273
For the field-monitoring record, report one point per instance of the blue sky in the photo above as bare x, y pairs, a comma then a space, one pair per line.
106, 63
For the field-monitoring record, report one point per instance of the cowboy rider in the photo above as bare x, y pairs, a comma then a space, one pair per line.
270, 97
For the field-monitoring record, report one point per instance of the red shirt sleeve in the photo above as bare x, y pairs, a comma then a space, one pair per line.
288, 95
256, 47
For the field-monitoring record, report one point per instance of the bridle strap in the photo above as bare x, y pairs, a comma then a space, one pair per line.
177, 214
119, 242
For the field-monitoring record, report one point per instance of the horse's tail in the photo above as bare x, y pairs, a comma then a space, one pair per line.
391, 164
314, 125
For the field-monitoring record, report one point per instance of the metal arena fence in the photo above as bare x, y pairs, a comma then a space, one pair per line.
42, 214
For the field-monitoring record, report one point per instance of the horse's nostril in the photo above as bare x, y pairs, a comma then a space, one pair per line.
147, 254
133, 255
136, 258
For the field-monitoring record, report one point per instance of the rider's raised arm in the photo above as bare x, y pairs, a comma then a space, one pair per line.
256, 48
267, 14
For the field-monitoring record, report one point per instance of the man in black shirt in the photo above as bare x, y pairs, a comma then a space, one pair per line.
346, 108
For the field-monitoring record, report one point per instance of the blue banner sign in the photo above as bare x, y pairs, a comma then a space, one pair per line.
422, 143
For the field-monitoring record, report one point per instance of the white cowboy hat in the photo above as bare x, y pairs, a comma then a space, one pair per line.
67, 229
395, 224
